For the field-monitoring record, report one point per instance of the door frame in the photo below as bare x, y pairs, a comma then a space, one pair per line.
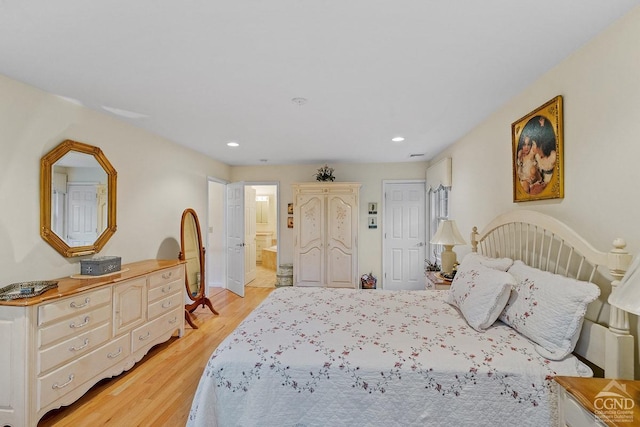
278, 213
382, 222
221, 270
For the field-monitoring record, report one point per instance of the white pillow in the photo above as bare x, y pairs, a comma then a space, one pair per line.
480, 293
502, 264
548, 309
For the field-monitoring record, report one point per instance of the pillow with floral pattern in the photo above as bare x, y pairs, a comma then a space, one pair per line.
548, 309
480, 293
502, 264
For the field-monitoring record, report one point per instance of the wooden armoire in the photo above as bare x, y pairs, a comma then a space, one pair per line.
325, 222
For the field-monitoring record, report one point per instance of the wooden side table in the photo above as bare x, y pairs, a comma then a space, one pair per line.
598, 402
433, 281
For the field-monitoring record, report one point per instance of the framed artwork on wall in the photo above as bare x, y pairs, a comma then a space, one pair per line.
537, 145
373, 222
373, 208
290, 222
290, 208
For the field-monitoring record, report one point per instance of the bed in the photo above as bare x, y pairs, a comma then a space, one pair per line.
468, 356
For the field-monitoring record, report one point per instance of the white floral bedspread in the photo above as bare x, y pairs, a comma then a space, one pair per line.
339, 357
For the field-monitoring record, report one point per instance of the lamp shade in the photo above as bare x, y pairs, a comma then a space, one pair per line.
626, 295
448, 234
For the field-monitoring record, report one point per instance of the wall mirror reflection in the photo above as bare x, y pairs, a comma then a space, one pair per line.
262, 209
78, 199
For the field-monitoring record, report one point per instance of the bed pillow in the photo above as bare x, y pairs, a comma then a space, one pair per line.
480, 293
548, 309
502, 264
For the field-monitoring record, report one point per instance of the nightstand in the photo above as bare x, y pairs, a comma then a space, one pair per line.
598, 402
433, 281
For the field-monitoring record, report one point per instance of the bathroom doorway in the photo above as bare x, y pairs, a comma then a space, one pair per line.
266, 226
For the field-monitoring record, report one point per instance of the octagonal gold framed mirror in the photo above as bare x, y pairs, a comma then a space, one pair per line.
77, 199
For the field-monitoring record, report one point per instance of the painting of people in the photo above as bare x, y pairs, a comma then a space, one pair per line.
537, 150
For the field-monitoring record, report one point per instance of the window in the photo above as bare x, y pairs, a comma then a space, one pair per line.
439, 210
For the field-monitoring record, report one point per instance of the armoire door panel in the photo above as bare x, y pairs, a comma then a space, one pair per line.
311, 227
340, 220
339, 268
311, 267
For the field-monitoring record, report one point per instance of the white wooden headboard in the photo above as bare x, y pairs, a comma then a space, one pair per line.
543, 242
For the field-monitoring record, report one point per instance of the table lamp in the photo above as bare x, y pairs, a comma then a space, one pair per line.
448, 236
626, 294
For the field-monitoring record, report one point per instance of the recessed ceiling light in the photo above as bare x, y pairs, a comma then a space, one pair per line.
233, 144
397, 139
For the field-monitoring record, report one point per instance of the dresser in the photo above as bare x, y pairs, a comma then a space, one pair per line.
598, 402
57, 345
326, 221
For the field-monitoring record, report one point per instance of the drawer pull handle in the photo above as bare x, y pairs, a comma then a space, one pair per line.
80, 325
86, 343
74, 305
174, 320
167, 275
146, 337
166, 304
58, 386
167, 289
114, 355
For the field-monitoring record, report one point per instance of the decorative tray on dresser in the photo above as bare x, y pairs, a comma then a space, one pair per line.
58, 344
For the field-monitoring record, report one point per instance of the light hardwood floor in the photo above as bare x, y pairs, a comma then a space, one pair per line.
158, 390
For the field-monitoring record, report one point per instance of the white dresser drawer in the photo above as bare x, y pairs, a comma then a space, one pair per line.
72, 348
165, 305
165, 276
165, 289
148, 333
73, 325
60, 382
80, 303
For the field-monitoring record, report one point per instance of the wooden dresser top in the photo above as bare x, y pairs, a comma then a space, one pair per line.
586, 390
69, 285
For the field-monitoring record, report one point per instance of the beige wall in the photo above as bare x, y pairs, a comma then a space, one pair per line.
157, 180
369, 175
601, 92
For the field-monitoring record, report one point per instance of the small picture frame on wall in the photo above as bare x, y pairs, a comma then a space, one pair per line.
373, 208
373, 222
290, 222
537, 143
290, 208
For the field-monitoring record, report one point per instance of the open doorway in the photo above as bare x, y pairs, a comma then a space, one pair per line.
266, 239
266, 221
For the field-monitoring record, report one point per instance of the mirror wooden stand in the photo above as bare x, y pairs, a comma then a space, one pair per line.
192, 252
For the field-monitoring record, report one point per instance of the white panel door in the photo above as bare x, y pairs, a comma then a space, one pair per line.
404, 236
82, 215
235, 238
249, 234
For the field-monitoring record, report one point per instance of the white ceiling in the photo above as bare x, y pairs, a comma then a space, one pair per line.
205, 72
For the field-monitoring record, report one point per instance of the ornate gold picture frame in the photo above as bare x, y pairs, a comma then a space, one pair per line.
538, 144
